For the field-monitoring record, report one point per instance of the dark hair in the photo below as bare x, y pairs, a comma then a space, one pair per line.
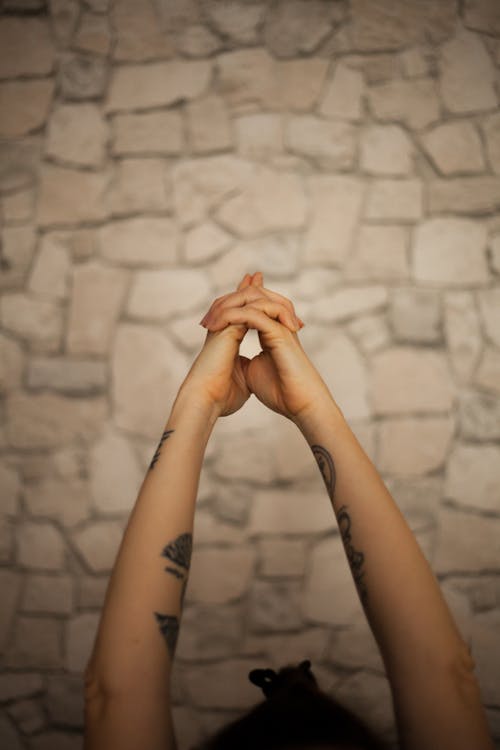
296, 713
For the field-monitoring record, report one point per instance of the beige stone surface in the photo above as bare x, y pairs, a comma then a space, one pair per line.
51, 594
410, 446
63, 499
414, 102
50, 272
491, 129
115, 474
80, 635
270, 201
208, 125
197, 41
297, 26
415, 315
488, 372
466, 195
97, 299
26, 47
18, 247
140, 186
448, 250
40, 546
399, 200
66, 375
154, 132
205, 241
465, 541
348, 302
381, 254
24, 106
93, 34
331, 145
97, 544
455, 148
46, 420
386, 150
405, 380
286, 512
335, 209
282, 557
259, 135
156, 295
77, 134
467, 75
228, 681
463, 334
11, 363
489, 306
343, 97
60, 200
136, 87
473, 476
139, 241
35, 320
218, 576
36, 644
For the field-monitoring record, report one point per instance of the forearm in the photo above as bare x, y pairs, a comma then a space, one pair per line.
427, 661
142, 610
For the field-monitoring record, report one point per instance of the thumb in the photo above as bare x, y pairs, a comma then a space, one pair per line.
244, 366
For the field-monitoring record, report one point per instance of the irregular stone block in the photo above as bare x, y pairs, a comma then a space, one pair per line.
482, 15
64, 700
139, 241
399, 200
488, 371
11, 364
77, 134
93, 34
415, 315
489, 306
380, 254
209, 127
467, 75
197, 41
67, 376
80, 635
347, 302
463, 333
18, 247
157, 84
356, 648
259, 135
19, 207
11, 586
330, 144
409, 447
205, 241
231, 687
98, 544
36, 644
330, 599
284, 512
138, 185
61, 191
238, 20
25, 47
46, 420
218, 576
140, 398
335, 209
269, 201
8, 735
413, 102
295, 27
484, 650
219, 638
82, 77
406, 380
298, 84
343, 96
375, 26
64, 15
10, 486
479, 415
491, 130
40, 546
370, 332
19, 685
241, 451
386, 150
473, 476
274, 605
50, 272
38, 321
56, 741
455, 148
19, 163
369, 695
140, 33
98, 294
115, 475
466, 195
415, 62
448, 250
282, 557
212, 530
24, 106
159, 294
52, 594
148, 133
465, 541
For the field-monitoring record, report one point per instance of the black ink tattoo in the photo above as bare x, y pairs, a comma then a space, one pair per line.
179, 551
175, 573
326, 466
169, 628
156, 456
356, 559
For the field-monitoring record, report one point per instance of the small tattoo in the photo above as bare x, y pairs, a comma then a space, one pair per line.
179, 551
175, 573
169, 628
326, 466
156, 456
356, 559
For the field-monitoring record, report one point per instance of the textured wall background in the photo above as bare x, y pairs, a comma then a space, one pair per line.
153, 152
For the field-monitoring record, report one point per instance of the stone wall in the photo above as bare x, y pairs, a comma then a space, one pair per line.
150, 154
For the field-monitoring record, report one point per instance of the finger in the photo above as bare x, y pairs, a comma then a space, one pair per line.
274, 310
246, 281
258, 280
238, 299
251, 317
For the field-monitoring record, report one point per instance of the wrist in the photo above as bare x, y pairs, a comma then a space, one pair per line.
322, 411
190, 405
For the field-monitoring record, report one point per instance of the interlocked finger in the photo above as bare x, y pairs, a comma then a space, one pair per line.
251, 294
218, 319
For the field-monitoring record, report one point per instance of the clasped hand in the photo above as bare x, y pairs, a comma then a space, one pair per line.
281, 375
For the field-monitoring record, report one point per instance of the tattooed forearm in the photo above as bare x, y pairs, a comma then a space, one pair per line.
326, 466
177, 552
169, 628
156, 456
356, 559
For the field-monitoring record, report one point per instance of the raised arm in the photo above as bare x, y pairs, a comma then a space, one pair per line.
127, 690
435, 692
